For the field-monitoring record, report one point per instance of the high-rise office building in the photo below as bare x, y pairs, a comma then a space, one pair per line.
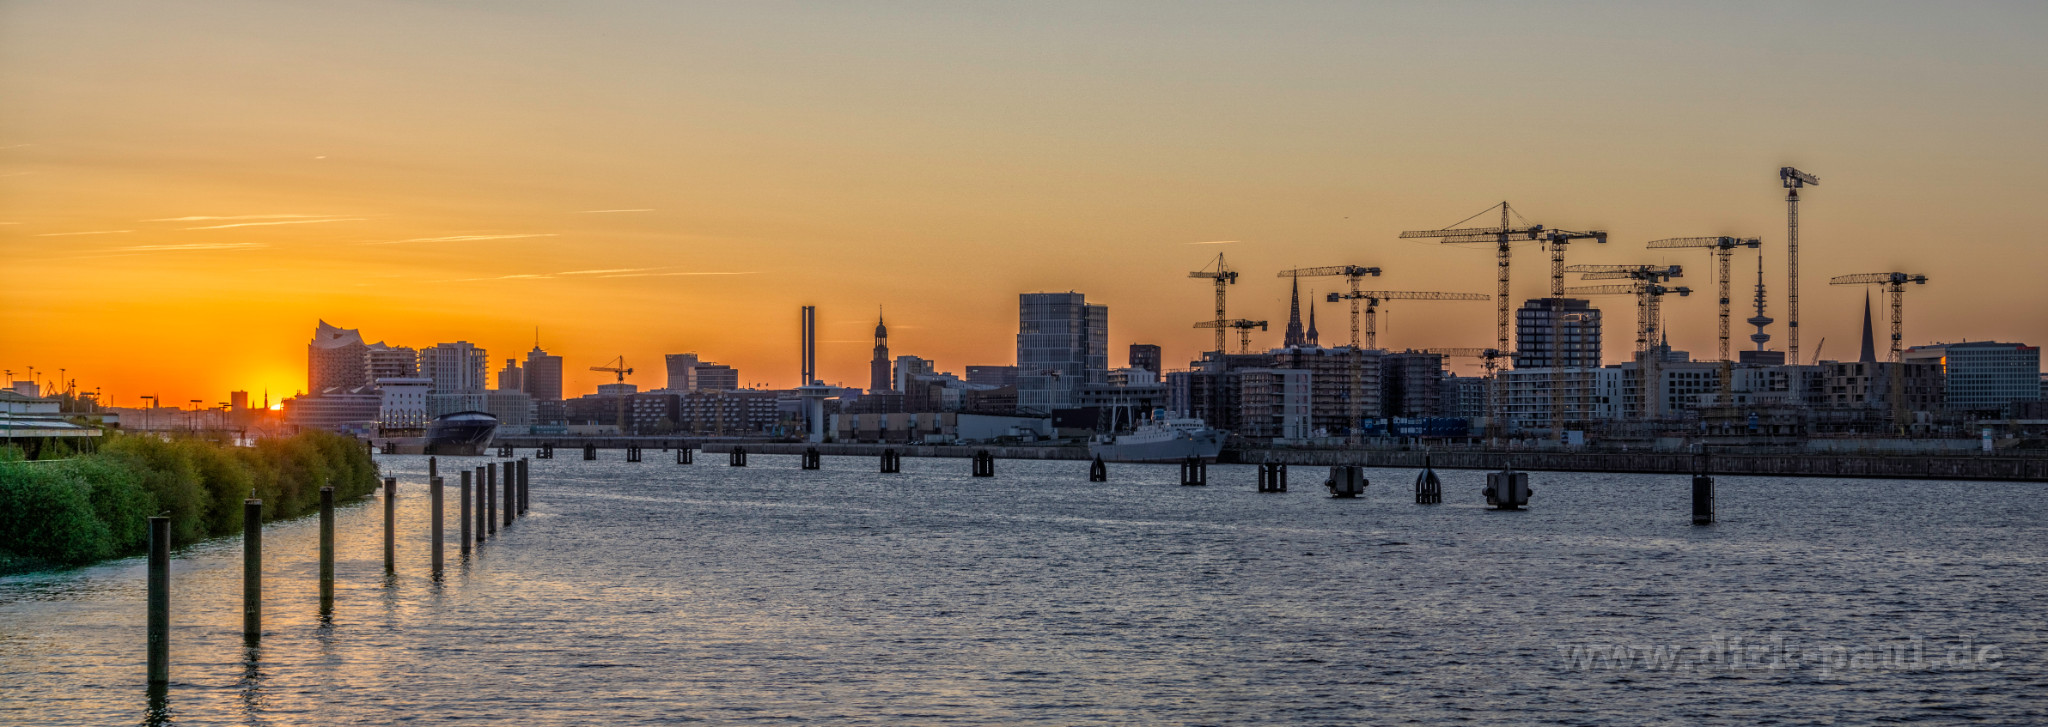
682, 371
996, 376
392, 362
510, 378
543, 375
909, 368
457, 371
878, 369
1143, 356
1984, 376
716, 377
1557, 332
1062, 344
336, 359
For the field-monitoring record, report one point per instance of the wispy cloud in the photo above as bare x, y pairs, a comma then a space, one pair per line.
606, 272
463, 238
275, 222
664, 275
224, 218
1210, 242
196, 246
599, 212
88, 232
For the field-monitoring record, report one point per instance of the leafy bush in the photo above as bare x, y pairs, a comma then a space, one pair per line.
97, 505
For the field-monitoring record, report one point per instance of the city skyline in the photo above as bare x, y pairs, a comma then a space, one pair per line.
663, 197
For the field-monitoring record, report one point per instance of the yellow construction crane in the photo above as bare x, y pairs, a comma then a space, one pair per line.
1895, 285
1373, 298
1793, 180
1351, 273
1503, 236
618, 367
1723, 248
1491, 359
1223, 276
1649, 291
1244, 332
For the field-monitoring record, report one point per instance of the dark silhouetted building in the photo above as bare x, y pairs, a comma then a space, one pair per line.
1146, 356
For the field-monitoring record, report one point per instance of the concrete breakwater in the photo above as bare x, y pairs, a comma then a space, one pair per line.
1934, 467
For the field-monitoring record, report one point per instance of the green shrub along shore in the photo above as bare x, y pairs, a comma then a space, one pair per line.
90, 507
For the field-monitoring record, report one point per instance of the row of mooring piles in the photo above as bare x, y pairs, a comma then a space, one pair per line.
984, 464
1346, 481
1194, 472
1272, 477
892, 462
158, 636
1097, 471
737, 457
1429, 490
812, 459
632, 453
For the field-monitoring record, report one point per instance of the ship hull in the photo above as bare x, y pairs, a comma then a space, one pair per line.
1178, 449
464, 433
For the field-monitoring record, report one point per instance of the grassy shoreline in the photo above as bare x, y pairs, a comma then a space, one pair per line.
96, 506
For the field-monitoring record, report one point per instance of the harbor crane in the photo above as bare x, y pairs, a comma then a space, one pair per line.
1794, 180
1894, 284
618, 368
1224, 277
1352, 274
1723, 248
1244, 332
1647, 285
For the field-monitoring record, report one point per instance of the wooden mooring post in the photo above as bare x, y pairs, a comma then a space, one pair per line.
483, 518
252, 570
326, 551
390, 525
1702, 494
511, 491
491, 498
434, 495
465, 515
523, 499
159, 601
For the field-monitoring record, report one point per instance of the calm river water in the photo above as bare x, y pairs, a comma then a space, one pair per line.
658, 593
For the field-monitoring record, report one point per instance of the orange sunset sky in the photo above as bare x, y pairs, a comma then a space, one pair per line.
186, 188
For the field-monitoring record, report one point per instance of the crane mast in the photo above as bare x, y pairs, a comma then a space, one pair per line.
1647, 285
1723, 249
1223, 276
1894, 285
1793, 180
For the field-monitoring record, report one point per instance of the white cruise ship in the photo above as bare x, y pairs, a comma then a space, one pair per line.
1160, 439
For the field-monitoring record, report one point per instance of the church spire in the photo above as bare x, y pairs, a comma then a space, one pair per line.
1313, 339
1294, 334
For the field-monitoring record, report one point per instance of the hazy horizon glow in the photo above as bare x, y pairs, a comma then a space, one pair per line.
186, 189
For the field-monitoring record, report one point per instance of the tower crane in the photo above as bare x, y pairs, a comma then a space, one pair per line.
1647, 285
1793, 180
1223, 276
1895, 285
618, 367
1723, 248
1556, 240
1352, 274
1373, 298
1503, 236
1244, 332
